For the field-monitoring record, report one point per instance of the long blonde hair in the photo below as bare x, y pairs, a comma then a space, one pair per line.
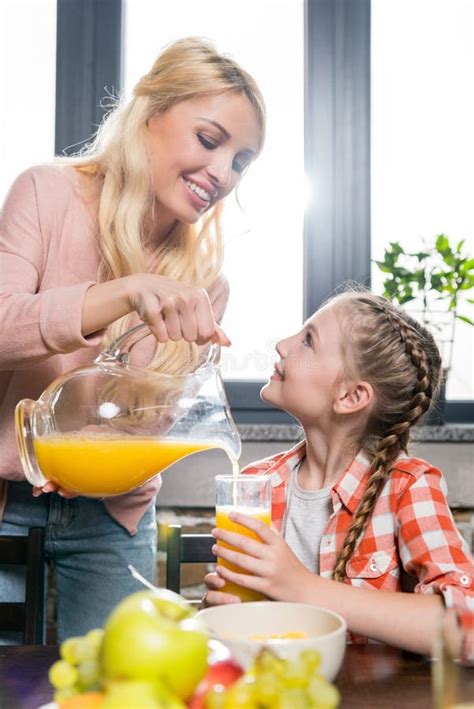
399, 358
117, 157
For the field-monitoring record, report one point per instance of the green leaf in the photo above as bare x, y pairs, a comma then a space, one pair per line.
465, 319
442, 243
383, 266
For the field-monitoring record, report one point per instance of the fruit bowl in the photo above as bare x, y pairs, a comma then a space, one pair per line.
285, 628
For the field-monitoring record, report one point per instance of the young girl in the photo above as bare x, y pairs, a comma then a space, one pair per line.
91, 245
355, 513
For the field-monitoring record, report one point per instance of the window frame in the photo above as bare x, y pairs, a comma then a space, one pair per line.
337, 141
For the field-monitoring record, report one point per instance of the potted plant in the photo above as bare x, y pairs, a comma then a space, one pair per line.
435, 285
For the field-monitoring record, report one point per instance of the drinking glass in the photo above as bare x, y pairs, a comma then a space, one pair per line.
452, 672
251, 495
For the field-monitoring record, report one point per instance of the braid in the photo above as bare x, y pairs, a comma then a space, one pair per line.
397, 435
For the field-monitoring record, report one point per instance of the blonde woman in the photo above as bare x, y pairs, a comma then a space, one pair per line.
89, 246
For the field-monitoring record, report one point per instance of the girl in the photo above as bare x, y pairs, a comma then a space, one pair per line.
130, 231
355, 512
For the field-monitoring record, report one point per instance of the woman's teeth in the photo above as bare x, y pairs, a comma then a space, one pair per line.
199, 191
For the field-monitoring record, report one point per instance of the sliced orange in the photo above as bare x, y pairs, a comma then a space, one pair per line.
88, 700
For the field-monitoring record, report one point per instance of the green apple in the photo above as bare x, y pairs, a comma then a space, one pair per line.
151, 636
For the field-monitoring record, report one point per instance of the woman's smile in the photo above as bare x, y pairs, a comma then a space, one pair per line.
199, 195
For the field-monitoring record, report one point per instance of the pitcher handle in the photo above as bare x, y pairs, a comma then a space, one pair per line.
120, 348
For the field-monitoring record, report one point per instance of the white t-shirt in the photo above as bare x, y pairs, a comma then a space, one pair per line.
307, 515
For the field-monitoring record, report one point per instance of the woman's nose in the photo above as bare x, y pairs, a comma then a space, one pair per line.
220, 171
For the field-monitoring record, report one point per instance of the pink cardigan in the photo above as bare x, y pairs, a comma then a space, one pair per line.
49, 257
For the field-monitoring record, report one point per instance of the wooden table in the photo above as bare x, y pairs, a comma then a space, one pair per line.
372, 676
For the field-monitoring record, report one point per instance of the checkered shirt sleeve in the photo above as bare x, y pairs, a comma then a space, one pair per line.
432, 549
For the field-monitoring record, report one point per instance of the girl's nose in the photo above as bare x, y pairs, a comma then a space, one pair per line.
281, 349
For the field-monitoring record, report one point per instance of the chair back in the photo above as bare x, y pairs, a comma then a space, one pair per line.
26, 617
185, 549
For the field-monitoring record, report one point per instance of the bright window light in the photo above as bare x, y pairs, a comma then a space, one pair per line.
423, 138
27, 86
264, 239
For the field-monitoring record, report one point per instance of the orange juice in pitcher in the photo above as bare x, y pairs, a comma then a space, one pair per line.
100, 466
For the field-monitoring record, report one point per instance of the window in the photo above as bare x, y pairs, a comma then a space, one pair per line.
264, 239
27, 86
413, 60
422, 139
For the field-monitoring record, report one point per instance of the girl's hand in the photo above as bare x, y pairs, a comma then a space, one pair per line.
215, 597
52, 487
174, 310
275, 571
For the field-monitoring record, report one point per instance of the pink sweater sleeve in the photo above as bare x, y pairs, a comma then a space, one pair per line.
35, 322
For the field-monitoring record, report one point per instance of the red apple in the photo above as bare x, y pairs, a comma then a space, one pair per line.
224, 673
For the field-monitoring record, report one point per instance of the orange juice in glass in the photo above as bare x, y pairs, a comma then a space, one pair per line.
250, 495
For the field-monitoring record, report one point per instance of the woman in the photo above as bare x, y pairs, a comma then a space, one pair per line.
129, 231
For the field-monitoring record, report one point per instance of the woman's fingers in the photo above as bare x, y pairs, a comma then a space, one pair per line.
52, 487
219, 337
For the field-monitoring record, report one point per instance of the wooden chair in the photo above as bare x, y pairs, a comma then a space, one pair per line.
26, 617
185, 549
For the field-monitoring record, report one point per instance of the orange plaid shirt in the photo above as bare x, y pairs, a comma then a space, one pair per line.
410, 542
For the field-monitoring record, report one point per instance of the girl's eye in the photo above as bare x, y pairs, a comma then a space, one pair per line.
308, 340
206, 143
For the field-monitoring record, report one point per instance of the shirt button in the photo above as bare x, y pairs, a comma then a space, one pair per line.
373, 566
465, 580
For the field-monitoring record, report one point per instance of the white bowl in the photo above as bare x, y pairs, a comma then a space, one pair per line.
235, 624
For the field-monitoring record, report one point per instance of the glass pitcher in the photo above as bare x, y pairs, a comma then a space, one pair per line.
107, 428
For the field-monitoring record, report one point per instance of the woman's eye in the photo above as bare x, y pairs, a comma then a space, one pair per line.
206, 143
308, 340
238, 166
241, 165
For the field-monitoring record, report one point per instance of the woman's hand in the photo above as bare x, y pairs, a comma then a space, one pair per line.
273, 569
215, 596
171, 309
174, 310
52, 487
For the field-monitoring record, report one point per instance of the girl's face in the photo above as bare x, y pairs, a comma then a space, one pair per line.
306, 379
198, 151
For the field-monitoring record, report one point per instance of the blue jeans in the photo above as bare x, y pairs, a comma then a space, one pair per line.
90, 552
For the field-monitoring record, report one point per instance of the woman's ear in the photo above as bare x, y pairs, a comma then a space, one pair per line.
353, 397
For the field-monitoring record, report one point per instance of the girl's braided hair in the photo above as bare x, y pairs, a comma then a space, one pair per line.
399, 358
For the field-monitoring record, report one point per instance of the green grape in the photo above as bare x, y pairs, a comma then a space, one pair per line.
60, 695
322, 693
88, 675
216, 697
85, 650
62, 675
241, 694
312, 660
68, 650
95, 637
293, 698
